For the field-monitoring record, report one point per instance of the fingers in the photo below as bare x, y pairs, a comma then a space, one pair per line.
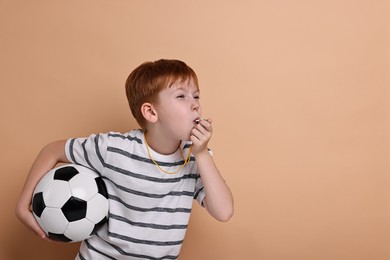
203, 130
27, 218
201, 135
205, 124
32, 223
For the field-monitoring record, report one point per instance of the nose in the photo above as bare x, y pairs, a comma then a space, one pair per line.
195, 104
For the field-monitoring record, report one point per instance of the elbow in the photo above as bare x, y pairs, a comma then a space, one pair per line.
222, 214
225, 216
19, 211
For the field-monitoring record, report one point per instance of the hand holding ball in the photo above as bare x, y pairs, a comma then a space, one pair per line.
70, 203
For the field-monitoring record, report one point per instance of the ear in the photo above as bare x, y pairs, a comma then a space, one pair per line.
149, 112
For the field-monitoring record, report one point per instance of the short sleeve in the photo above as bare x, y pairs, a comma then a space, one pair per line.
90, 151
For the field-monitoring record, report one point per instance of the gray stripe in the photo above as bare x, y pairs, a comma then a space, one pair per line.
151, 195
86, 156
99, 155
146, 225
97, 251
146, 242
156, 209
197, 193
71, 143
143, 159
149, 178
131, 138
81, 256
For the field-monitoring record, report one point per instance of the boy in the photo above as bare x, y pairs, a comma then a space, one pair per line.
152, 174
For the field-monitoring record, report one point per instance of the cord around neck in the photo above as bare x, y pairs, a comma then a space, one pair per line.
186, 160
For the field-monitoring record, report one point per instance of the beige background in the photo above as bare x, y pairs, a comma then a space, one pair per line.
299, 94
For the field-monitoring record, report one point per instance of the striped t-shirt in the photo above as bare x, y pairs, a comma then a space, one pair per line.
149, 210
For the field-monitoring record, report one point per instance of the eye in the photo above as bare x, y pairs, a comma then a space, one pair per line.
180, 96
196, 97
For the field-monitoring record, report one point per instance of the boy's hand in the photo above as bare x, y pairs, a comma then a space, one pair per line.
26, 217
201, 135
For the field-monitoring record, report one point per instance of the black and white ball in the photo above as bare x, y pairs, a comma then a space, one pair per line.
70, 203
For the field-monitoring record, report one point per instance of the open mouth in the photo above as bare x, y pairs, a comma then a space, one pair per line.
197, 121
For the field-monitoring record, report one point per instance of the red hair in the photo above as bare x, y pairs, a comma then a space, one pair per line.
147, 80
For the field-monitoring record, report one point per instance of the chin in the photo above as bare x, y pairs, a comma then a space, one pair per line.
187, 138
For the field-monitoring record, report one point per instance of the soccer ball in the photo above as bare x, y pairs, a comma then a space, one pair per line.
70, 203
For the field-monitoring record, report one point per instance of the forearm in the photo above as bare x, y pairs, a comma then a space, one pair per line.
218, 200
49, 156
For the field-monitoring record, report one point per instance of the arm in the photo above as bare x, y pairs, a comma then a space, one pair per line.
49, 156
219, 199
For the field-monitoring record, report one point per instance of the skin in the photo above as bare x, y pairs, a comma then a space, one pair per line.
169, 121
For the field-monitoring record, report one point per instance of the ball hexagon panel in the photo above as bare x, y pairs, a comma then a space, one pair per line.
83, 186
77, 230
56, 193
97, 208
53, 220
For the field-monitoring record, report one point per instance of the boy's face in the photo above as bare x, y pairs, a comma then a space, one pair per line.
177, 108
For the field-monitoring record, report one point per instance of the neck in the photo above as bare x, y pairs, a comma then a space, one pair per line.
161, 144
